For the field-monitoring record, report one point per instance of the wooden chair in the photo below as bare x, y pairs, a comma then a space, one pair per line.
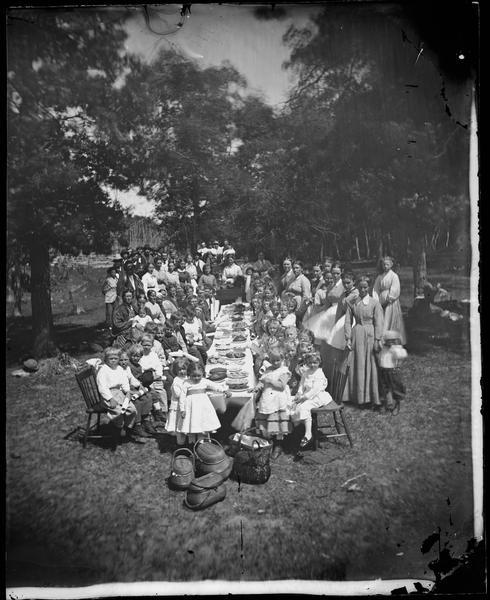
87, 382
335, 408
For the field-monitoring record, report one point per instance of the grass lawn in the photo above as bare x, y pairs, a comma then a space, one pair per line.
97, 515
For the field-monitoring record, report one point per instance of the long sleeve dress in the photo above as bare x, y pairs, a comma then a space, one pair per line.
362, 384
333, 351
300, 289
387, 287
200, 415
286, 279
155, 311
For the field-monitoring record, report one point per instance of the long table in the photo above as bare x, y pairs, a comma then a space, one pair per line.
223, 321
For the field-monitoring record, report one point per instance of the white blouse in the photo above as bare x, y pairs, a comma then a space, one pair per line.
151, 361
108, 378
150, 282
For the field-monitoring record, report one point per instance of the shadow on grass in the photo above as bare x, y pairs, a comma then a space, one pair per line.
70, 338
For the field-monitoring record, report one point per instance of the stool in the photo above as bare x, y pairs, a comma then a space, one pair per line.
334, 408
338, 418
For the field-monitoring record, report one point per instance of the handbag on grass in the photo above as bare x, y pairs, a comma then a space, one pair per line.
205, 491
211, 458
252, 465
181, 469
245, 441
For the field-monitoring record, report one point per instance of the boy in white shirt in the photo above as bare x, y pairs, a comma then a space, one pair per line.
391, 386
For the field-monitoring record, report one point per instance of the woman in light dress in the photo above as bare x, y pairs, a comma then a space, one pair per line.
335, 347
387, 289
300, 289
317, 318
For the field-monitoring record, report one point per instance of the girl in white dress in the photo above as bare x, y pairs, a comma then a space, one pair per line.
272, 418
197, 412
174, 419
311, 394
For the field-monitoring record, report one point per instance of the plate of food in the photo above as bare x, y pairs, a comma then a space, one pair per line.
238, 348
235, 354
239, 337
238, 387
237, 373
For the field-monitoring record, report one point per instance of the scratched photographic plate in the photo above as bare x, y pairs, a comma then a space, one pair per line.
334, 128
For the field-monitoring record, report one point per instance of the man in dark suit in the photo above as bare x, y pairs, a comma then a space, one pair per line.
128, 280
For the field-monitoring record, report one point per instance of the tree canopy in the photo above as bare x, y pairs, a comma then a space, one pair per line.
62, 75
368, 152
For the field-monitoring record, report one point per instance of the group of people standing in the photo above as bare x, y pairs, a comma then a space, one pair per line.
305, 326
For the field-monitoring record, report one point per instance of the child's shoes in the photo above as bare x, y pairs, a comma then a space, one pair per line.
305, 442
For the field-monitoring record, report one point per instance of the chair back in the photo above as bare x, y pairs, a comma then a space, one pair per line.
339, 380
88, 385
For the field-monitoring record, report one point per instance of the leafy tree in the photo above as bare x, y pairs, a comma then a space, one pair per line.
61, 74
394, 154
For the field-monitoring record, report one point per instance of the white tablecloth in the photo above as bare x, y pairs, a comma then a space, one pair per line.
239, 397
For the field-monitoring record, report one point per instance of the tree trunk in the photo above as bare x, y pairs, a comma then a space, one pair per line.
389, 245
42, 316
357, 249
16, 289
419, 271
195, 213
380, 252
368, 251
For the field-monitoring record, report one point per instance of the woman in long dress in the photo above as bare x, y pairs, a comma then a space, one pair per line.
300, 289
335, 346
363, 340
334, 295
387, 288
286, 278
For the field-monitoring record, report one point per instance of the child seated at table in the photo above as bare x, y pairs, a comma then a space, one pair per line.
135, 352
195, 335
149, 361
288, 313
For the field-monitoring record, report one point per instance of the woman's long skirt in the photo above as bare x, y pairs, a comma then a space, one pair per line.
362, 383
320, 322
393, 320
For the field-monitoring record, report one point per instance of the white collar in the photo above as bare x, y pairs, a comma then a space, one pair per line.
365, 300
